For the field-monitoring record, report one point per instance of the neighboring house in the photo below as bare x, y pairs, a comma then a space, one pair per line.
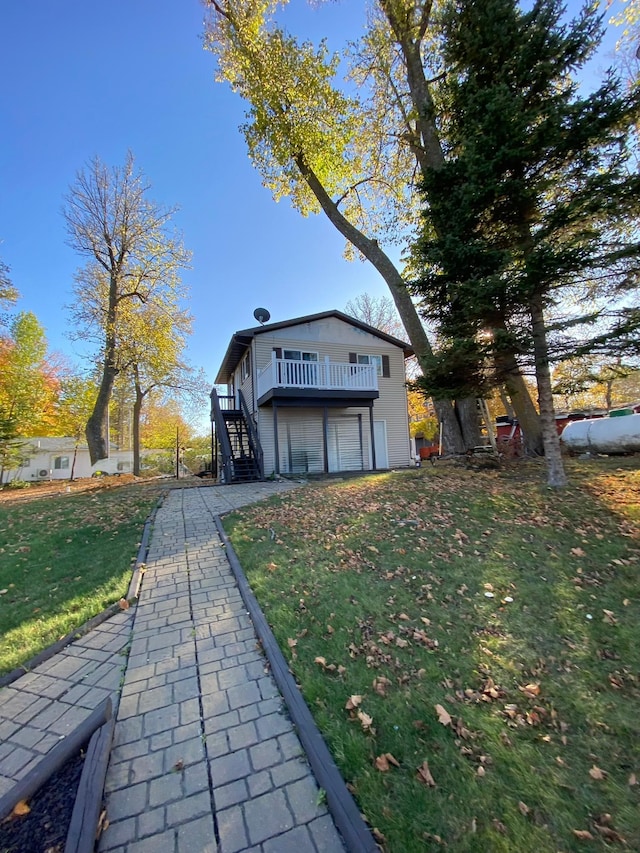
53, 459
315, 394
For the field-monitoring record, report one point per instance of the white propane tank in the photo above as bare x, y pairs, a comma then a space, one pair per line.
603, 435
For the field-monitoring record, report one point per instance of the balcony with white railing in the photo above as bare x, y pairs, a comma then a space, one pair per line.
321, 376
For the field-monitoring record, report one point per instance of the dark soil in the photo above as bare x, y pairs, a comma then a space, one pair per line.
44, 829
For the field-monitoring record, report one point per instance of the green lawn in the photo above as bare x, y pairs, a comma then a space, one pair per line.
468, 644
63, 559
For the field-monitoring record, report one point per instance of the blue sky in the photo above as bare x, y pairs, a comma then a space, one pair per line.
79, 79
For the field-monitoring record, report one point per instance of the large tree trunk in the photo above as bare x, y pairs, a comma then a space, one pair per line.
97, 426
555, 469
451, 432
427, 148
467, 414
508, 373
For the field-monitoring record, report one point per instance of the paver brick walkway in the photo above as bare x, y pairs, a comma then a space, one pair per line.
204, 756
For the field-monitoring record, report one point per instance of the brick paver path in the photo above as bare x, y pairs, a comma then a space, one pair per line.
205, 757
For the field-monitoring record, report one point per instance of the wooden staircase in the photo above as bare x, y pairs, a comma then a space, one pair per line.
240, 449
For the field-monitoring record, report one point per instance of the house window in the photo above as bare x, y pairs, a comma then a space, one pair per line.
61, 462
372, 359
299, 355
245, 367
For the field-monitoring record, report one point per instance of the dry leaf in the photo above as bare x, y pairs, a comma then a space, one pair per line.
523, 808
272, 566
609, 833
384, 762
321, 661
353, 702
632, 780
583, 834
597, 773
380, 685
443, 715
21, 808
292, 643
424, 775
365, 719
609, 617
578, 552
531, 690
124, 604
480, 771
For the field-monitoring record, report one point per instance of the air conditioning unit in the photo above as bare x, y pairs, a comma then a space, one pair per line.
43, 473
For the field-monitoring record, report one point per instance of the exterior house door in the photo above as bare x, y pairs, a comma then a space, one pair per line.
380, 443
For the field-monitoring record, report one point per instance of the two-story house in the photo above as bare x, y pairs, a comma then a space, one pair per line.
315, 394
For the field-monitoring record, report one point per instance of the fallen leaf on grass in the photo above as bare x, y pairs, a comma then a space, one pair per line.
443, 715
578, 552
597, 773
365, 720
582, 834
530, 690
321, 661
380, 685
632, 780
609, 617
384, 762
609, 833
353, 702
523, 808
21, 808
424, 775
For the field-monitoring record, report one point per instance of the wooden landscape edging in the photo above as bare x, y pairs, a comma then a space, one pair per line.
81, 835
55, 758
139, 567
342, 806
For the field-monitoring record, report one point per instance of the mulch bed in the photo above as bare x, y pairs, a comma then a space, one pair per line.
44, 829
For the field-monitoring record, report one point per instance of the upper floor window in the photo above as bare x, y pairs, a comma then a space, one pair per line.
245, 366
299, 355
61, 462
372, 359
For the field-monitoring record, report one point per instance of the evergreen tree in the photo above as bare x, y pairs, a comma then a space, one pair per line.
534, 199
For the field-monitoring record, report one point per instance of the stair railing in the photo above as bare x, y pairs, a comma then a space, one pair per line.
254, 440
222, 434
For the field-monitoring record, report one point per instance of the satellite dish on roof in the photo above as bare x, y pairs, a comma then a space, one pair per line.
262, 315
